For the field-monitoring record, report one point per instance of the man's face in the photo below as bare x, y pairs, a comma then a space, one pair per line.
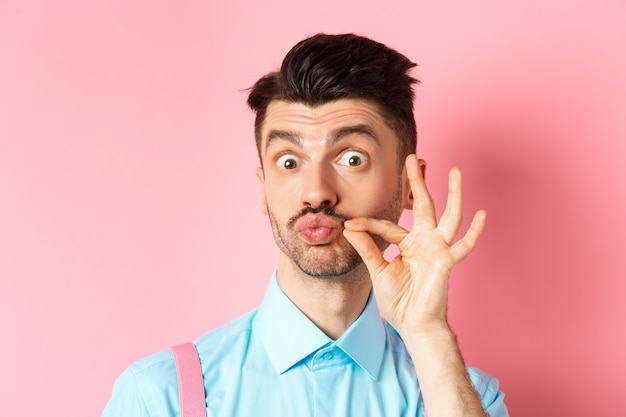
321, 166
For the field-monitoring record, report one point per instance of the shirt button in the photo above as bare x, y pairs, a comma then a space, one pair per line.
328, 356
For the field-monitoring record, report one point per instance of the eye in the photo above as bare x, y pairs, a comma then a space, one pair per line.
287, 162
352, 159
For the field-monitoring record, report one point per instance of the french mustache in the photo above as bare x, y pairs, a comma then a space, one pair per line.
328, 211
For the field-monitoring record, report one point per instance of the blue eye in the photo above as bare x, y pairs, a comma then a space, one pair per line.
353, 159
287, 162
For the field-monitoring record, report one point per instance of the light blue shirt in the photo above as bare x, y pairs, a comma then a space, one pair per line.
275, 362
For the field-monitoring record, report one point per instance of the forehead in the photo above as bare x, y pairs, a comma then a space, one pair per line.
322, 120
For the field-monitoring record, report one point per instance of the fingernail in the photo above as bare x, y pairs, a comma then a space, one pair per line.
349, 223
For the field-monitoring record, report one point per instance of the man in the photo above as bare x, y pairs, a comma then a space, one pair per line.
336, 139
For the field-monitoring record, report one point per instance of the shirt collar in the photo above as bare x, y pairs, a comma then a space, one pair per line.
289, 336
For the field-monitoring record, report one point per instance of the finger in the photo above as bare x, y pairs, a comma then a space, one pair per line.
367, 249
386, 229
464, 246
452, 216
423, 207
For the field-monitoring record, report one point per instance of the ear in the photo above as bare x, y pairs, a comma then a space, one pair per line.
406, 190
261, 176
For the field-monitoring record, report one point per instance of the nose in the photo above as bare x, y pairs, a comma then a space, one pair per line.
319, 186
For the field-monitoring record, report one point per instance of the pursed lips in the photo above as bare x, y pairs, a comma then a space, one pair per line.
317, 229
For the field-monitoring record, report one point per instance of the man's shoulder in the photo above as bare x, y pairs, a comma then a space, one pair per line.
213, 344
226, 336
149, 386
394, 340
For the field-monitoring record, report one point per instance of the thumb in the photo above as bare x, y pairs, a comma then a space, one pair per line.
367, 249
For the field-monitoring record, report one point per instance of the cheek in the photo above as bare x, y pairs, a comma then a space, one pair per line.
373, 195
278, 199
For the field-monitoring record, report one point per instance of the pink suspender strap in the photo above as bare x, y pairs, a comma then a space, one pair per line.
190, 383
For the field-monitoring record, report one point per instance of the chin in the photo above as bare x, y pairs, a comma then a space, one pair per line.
329, 266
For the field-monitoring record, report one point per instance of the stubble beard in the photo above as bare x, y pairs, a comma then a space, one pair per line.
336, 259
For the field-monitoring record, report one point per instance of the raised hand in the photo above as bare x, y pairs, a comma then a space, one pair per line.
412, 289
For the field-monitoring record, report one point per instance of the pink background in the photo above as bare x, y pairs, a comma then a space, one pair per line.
129, 215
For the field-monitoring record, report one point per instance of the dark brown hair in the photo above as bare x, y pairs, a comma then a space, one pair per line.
324, 68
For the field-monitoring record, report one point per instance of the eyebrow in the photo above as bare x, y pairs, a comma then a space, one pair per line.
296, 139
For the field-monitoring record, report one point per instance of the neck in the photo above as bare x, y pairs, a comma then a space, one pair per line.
332, 303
